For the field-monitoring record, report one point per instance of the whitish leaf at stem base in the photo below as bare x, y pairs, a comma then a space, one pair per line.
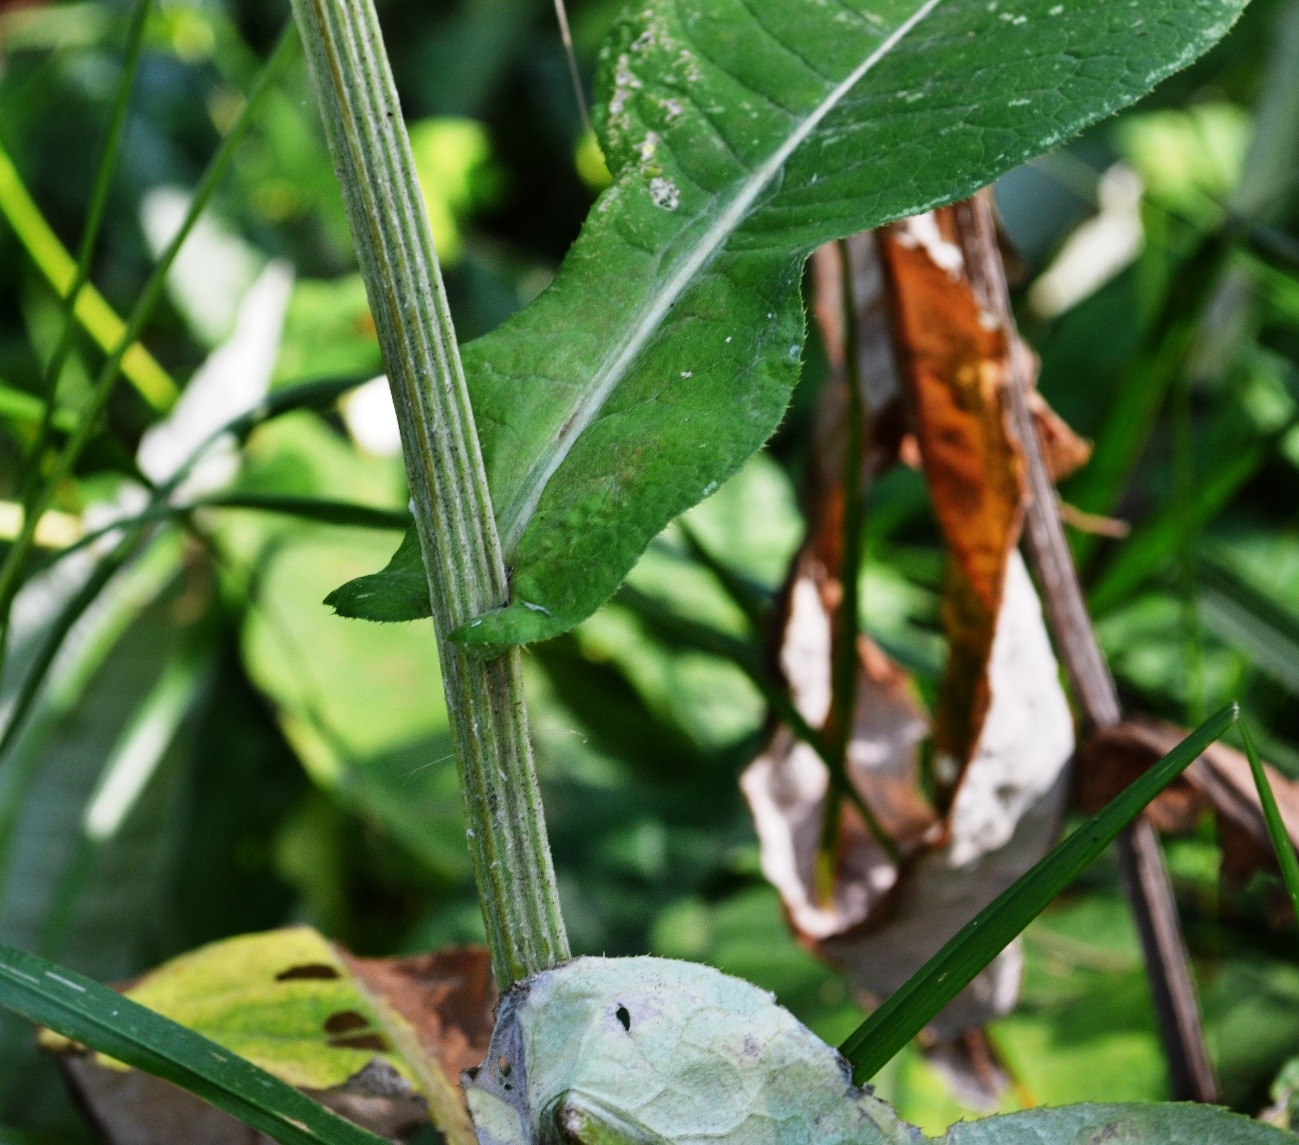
648, 1051
741, 136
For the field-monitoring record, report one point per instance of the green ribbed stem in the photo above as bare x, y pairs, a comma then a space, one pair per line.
451, 503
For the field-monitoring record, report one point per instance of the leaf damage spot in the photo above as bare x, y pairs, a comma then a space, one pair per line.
346, 1022
307, 972
665, 194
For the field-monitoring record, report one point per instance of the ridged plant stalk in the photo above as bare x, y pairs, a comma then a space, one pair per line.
450, 499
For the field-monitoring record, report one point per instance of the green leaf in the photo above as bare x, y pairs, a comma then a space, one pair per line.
96, 1016
647, 1051
653, 1050
398, 591
1134, 1124
269, 998
742, 135
1276, 828
289, 1003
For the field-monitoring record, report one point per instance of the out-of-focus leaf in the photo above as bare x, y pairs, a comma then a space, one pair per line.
1189, 160
1284, 1111
453, 159
378, 1041
1261, 623
92, 891
214, 269
1155, 544
328, 332
230, 384
377, 739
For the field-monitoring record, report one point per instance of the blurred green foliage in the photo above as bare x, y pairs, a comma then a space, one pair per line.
304, 774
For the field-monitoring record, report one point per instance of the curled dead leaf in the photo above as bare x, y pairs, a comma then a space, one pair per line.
1005, 732
1219, 782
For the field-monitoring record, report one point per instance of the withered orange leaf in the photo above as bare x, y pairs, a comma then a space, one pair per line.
885, 914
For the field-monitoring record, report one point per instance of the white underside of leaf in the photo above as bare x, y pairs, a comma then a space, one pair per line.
1003, 820
514, 517
1027, 737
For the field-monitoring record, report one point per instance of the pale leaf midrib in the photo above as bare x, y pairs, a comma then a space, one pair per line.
514, 517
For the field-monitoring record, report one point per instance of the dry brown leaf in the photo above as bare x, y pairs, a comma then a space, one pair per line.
953, 359
1004, 817
787, 785
1218, 782
127, 1107
1064, 451
953, 348
447, 998
1008, 724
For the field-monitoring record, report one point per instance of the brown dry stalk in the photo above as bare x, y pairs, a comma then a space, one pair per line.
1141, 861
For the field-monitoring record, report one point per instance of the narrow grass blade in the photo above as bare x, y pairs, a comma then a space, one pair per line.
93, 312
102, 1019
27, 409
1155, 543
1285, 854
945, 975
11, 570
1262, 623
319, 509
90, 236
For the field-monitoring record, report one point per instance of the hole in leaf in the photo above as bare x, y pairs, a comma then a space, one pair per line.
624, 1017
345, 1022
310, 970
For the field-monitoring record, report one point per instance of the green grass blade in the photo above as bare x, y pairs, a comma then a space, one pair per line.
95, 315
949, 971
322, 510
90, 235
11, 570
1281, 843
102, 1019
1155, 543
43, 659
1260, 622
